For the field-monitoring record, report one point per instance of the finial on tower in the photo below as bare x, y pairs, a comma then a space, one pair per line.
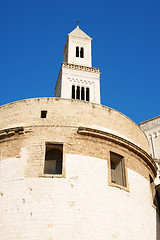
78, 22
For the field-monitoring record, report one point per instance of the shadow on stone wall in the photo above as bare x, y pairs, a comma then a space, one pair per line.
158, 227
158, 212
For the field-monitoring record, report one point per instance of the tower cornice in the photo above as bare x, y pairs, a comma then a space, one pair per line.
80, 67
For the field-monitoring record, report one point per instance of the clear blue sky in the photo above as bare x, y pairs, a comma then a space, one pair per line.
125, 46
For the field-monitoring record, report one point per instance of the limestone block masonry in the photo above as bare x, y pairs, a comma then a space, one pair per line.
82, 202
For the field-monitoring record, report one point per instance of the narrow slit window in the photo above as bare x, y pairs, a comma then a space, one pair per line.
53, 159
43, 114
82, 52
77, 51
78, 92
82, 93
87, 94
117, 169
73, 92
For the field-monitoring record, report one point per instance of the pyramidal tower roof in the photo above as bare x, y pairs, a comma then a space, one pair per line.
77, 32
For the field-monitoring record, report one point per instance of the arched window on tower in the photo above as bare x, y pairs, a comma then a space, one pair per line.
78, 92
82, 93
73, 92
77, 51
82, 52
87, 94
53, 159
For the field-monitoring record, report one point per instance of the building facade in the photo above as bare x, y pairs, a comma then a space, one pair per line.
151, 128
71, 168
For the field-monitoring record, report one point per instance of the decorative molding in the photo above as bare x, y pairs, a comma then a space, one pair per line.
80, 43
121, 141
79, 67
9, 132
79, 81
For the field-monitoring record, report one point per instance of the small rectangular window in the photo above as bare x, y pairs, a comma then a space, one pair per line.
43, 114
117, 169
53, 159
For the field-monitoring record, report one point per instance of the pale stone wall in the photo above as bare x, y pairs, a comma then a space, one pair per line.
65, 112
152, 130
79, 206
77, 38
81, 203
86, 44
70, 75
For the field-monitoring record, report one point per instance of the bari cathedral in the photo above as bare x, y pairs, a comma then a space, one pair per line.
73, 169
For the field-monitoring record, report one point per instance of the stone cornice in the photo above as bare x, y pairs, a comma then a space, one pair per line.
121, 141
9, 132
79, 67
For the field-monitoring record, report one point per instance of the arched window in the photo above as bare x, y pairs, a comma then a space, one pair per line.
87, 94
53, 161
78, 92
77, 51
82, 52
73, 92
82, 93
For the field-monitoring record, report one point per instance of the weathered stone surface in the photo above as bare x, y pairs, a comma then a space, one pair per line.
81, 203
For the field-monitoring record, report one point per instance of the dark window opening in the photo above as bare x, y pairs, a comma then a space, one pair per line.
82, 93
117, 169
53, 159
78, 93
87, 94
77, 51
43, 114
73, 92
82, 52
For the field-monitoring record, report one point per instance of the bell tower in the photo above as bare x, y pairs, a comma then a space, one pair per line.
77, 49
77, 78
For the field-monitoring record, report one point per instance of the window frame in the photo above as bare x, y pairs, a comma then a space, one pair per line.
79, 52
125, 186
58, 146
43, 114
81, 93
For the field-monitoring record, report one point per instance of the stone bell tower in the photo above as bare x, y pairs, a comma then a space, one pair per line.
77, 78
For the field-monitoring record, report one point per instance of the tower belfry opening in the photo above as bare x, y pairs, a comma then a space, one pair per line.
77, 78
